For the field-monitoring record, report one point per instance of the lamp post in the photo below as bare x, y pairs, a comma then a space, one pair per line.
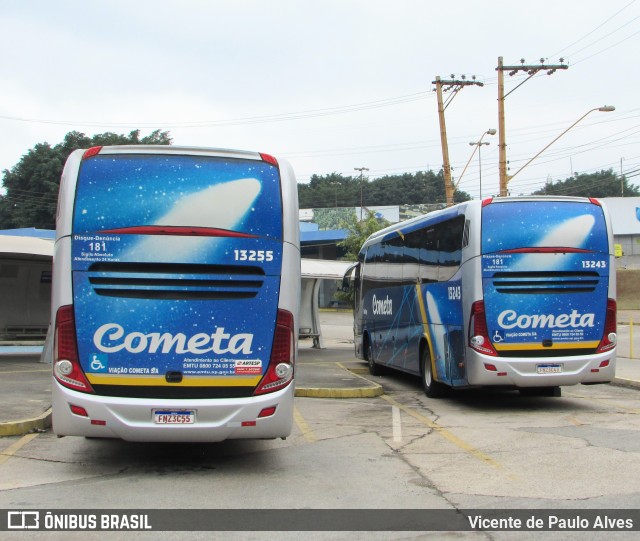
335, 191
477, 144
362, 170
603, 109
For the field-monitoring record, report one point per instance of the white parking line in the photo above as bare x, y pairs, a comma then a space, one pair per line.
397, 424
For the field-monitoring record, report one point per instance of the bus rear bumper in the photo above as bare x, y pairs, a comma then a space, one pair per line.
133, 419
541, 371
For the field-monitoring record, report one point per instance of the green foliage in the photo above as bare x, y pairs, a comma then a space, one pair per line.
336, 190
332, 218
359, 231
32, 185
600, 184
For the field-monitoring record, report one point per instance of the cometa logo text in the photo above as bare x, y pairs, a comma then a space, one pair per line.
510, 319
382, 307
111, 338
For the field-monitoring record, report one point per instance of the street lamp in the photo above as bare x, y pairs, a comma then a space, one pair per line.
335, 191
477, 144
603, 109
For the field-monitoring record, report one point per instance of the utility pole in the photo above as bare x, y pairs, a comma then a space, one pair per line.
531, 70
362, 170
454, 85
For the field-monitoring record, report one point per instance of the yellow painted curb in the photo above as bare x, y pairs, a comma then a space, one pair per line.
624, 382
371, 391
18, 428
320, 392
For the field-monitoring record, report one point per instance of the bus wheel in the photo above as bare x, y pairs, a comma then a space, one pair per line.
432, 388
374, 368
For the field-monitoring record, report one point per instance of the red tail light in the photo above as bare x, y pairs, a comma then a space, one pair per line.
280, 370
478, 332
93, 151
66, 366
269, 159
610, 326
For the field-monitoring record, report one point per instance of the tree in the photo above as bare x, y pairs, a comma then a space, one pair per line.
359, 232
32, 184
600, 184
422, 187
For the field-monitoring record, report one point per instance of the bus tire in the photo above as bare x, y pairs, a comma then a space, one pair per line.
432, 388
374, 368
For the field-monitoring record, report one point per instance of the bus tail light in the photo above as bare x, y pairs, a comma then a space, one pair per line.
609, 339
478, 332
487, 201
280, 370
66, 366
269, 159
90, 152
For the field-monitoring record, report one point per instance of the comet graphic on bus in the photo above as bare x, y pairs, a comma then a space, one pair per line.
221, 206
573, 232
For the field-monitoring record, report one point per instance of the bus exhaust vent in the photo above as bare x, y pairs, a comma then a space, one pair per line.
169, 281
557, 282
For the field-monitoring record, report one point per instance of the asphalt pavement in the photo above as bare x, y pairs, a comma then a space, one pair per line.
332, 372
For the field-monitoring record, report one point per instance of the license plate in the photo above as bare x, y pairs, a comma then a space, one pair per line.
174, 417
549, 368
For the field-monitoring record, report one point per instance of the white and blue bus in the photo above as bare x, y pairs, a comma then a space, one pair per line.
175, 294
505, 292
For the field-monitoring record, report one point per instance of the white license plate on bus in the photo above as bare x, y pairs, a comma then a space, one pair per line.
174, 417
549, 368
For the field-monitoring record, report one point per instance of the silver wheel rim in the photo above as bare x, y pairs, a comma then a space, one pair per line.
427, 372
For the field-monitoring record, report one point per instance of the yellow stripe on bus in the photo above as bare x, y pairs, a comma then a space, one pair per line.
425, 326
193, 381
530, 346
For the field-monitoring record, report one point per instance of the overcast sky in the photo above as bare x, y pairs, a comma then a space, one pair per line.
331, 84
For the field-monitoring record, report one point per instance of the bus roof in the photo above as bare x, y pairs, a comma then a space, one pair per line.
181, 150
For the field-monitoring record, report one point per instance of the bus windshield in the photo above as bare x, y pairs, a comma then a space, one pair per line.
173, 191
543, 224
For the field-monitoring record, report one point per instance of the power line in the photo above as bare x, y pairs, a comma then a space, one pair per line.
562, 51
279, 117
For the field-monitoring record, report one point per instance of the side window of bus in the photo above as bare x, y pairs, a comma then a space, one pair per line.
450, 247
411, 255
370, 256
372, 267
429, 255
392, 250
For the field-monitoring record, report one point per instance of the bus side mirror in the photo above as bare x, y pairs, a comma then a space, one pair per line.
345, 284
346, 279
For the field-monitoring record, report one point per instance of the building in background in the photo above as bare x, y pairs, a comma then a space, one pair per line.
25, 283
625, 215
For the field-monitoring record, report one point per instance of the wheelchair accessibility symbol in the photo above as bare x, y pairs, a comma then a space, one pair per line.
497, 337
98, 362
